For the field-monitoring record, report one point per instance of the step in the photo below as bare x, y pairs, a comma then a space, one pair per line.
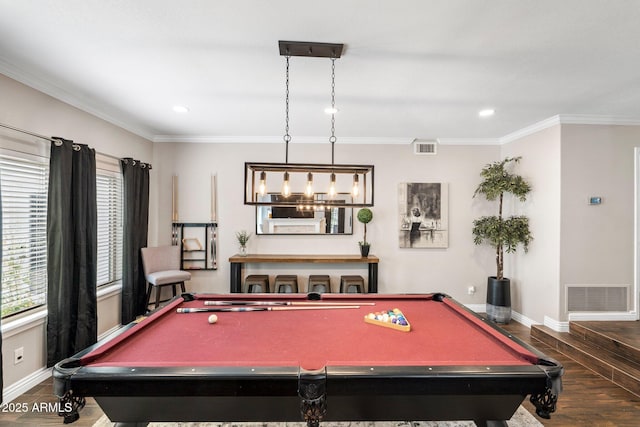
615, 368
596, 333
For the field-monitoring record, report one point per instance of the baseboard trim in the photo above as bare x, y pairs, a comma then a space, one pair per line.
611, 316
108, 332
25, 384
521, 318
556, 325
478, 308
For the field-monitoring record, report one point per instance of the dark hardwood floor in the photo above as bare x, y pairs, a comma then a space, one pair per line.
625, 332
587, 399
21, 412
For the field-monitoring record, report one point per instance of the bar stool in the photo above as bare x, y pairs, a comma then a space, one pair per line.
285, 283
320, 283
351, 284
256, 283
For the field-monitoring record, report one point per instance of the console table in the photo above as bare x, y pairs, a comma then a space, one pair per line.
238, 262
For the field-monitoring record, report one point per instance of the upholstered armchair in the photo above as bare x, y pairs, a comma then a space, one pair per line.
162, 268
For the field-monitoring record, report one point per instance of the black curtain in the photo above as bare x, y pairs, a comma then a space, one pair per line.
71, 250
135, 231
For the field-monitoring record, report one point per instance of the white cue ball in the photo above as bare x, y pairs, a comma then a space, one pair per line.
213, 319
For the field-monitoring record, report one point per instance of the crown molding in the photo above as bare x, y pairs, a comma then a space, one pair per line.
531, 129
204, 139
560, 119
569, 119
468, 141
521, 133
586, 119
49, 88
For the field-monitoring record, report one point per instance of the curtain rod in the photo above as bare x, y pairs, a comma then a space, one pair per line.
47, 138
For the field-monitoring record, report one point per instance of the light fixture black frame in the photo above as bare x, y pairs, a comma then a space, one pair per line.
251, 170
310, 49
364, 199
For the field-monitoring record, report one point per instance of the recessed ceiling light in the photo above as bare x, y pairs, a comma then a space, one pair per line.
180, 109
488, 112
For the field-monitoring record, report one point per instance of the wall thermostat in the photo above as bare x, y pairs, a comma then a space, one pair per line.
595, 200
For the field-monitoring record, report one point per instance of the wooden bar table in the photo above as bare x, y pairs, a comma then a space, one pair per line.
238, 262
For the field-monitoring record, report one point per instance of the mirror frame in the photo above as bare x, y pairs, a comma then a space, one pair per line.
263, 211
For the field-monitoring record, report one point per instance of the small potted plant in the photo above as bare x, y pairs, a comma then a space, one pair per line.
365, 216
243, 237
503, 234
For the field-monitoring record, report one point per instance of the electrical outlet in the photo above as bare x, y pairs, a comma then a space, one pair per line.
18, 355
471, 290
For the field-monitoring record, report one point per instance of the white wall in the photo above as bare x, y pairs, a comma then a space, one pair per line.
535, 275
575, 244
28, 109
597, 242
449, 270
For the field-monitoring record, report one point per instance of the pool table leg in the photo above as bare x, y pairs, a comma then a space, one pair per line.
312, 390
140, 424
70, 406
491, 423
546, 401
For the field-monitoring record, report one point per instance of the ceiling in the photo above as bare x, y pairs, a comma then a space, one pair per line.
411, 69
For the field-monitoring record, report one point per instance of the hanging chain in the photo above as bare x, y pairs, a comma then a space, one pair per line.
287, 137
332, 138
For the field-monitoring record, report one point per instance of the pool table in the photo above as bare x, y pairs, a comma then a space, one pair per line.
313, 364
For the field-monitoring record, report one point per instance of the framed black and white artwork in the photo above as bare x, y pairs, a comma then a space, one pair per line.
423, 215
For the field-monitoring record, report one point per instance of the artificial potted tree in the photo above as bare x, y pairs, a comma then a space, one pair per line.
504, 234
365, 216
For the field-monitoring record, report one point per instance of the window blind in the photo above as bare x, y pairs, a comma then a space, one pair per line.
109, 204
24, 180
24, 236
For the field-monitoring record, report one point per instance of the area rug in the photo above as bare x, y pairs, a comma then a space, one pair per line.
522, 418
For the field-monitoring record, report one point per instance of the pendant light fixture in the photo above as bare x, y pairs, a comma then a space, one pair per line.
302, 183
308, 191
332, 139
262, 188
286, 189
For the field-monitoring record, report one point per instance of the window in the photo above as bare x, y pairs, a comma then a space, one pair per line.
109, 201
24, 236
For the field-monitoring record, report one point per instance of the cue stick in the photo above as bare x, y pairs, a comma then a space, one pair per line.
301, 303
280, 308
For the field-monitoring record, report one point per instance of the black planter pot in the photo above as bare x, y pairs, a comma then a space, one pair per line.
364, 250
499, 300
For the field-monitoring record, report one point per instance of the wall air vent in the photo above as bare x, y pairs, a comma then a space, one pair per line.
425, 147
600, 298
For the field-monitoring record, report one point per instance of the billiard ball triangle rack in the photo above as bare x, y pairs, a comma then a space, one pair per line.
393, 319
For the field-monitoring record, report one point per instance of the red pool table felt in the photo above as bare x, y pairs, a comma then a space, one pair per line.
442, 334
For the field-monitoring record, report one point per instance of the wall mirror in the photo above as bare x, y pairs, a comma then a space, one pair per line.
304, 219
